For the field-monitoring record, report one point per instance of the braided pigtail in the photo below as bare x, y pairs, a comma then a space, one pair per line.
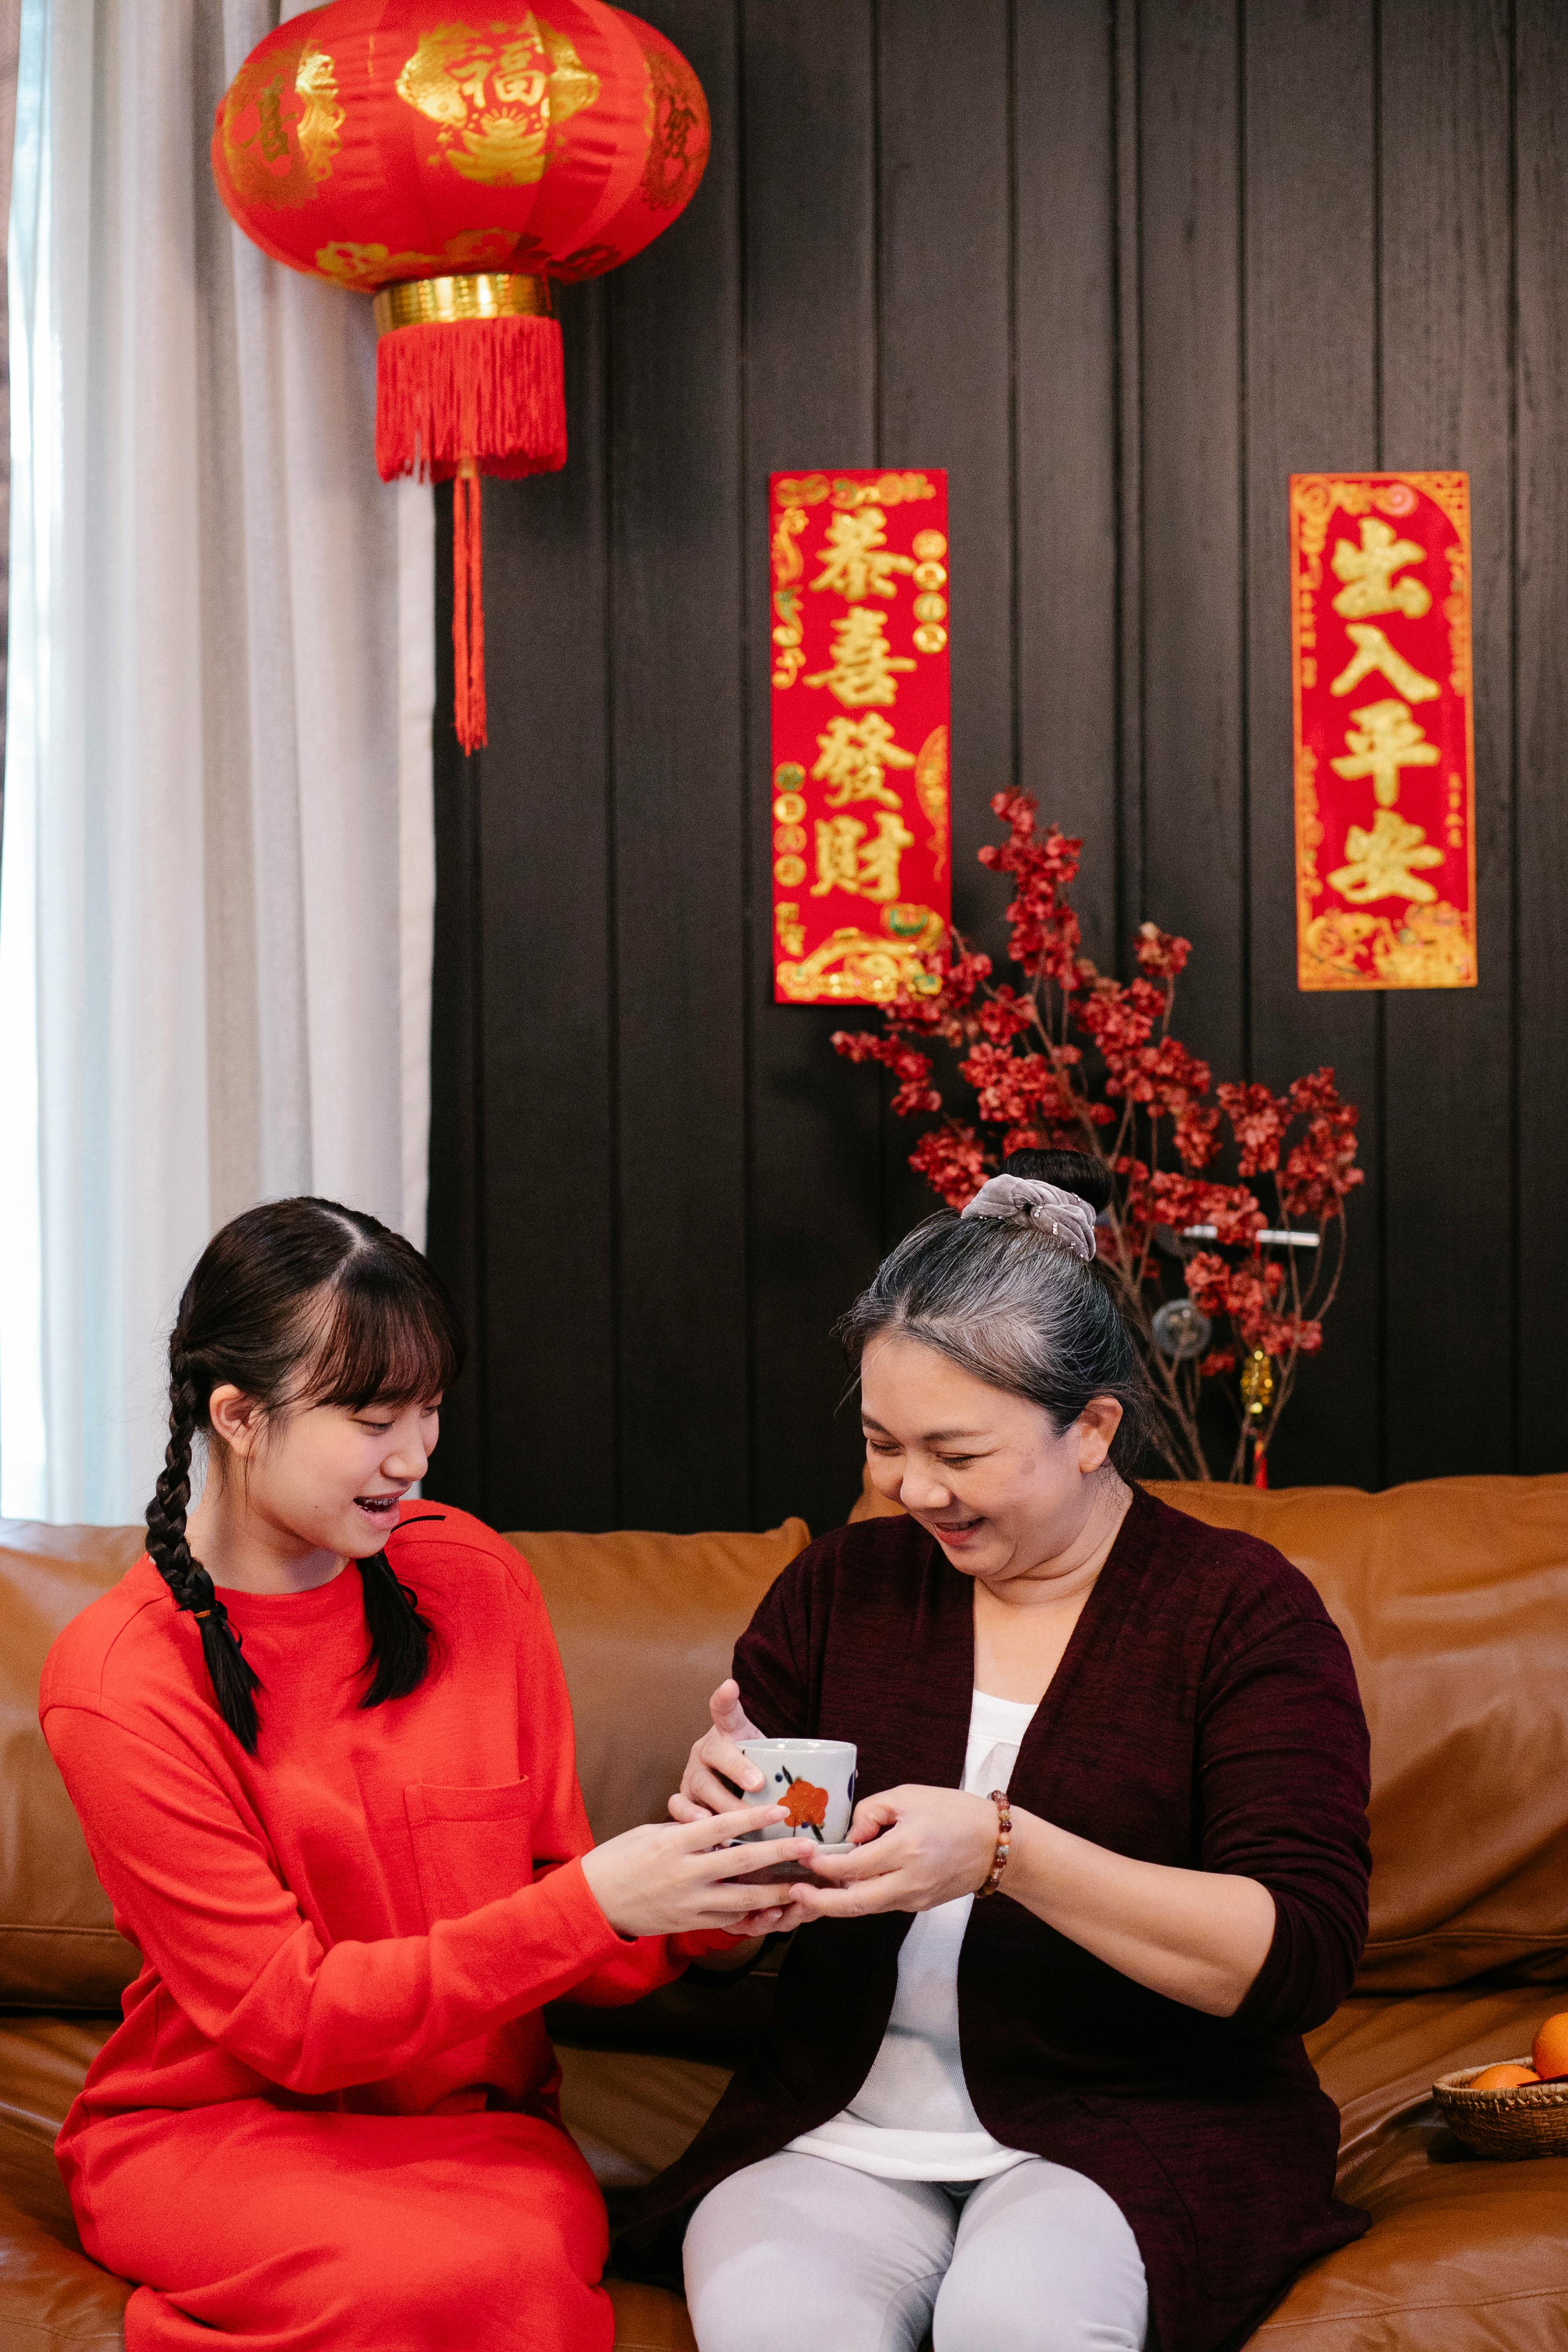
233, 1678
399, 1637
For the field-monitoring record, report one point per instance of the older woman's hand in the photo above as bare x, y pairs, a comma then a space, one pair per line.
716, 1768
917, 1847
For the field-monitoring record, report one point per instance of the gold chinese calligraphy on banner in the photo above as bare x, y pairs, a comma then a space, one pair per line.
860, 702
1380, 635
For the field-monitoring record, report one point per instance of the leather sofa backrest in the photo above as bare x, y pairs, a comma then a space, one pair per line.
57, 1945
1453, 1597
646, 1624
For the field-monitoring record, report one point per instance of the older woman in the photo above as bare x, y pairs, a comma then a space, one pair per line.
1039, 2089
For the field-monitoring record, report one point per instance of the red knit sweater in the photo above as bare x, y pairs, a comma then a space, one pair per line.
368, 1913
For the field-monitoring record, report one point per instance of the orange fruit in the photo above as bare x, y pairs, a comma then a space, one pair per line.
1500, 2078
1550, 2055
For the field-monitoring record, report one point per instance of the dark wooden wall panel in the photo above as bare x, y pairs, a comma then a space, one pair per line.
1535, 1171
1192, 786
811, 400
1446, 396
945, 273
677, 712
1310, 291
548, 1063
1066, 516
1121, 266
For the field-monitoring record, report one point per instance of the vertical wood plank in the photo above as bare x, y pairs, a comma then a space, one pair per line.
1068, 516
678, 735
456, 1216
1128, 154
550, 1205
947, 399
1193, 825
946, 393
1541, 872
1447, 399
811, 372
1309, 342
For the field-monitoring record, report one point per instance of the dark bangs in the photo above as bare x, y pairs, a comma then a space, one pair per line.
387, 1334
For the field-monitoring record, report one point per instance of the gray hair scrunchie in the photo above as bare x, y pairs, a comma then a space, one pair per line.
1029, 1199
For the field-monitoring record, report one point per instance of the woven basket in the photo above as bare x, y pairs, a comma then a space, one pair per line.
1532, 2119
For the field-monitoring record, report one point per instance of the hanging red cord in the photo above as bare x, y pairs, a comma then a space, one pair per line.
468, 607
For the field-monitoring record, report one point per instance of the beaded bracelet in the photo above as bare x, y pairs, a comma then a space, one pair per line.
1004, 1832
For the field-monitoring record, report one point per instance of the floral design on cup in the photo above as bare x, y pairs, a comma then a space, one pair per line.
805, 1805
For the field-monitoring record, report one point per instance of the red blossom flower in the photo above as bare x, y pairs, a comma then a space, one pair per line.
1161, 953
1216, 1364
1004, 1016
952, 1162
1044, 932
860, 1044
1197, 1135
1120, 1019
1014, 1086
1259, 1124
1320, 1171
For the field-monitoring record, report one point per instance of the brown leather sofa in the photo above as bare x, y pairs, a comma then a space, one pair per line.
1454, 1597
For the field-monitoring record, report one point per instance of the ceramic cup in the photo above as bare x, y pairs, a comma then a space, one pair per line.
814, 1778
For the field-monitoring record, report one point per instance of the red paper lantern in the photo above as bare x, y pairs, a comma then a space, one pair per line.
451, 171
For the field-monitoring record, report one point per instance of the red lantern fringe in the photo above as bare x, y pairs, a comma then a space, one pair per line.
1260, 1467
465, 397
493, 389
469, 612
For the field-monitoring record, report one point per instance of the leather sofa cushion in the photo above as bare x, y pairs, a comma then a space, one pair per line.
58, 1949
1452, 1596
646, 1625
1464, 2256
630, 2116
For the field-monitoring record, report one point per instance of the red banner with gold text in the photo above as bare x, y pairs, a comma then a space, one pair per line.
1380, 632
862, 876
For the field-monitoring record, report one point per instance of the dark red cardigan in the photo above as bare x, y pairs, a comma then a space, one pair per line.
1206, 1715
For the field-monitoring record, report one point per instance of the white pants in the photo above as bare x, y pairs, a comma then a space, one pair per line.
801, 2254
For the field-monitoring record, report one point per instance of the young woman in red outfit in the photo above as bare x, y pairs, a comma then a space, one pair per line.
321, 1745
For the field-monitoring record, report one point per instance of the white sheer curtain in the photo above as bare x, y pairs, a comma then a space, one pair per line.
217, 876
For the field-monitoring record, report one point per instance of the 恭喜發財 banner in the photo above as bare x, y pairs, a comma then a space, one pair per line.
1380, 633
861, 864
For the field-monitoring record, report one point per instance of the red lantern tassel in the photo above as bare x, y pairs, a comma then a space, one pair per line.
1260, 1468
489, 387
468, 609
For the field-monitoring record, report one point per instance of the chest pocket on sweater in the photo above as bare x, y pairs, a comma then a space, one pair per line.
471, 1846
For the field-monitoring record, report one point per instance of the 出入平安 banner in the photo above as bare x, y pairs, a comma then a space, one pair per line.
1380, 635
862, 885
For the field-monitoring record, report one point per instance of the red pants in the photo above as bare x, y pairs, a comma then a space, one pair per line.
347, 2233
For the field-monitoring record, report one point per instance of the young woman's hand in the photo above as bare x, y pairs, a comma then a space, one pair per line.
917, 1847
666, 1880
716, 1768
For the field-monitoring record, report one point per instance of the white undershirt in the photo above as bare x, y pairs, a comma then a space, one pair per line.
913, 2118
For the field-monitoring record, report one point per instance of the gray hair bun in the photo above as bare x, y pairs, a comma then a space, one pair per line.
1029, 1199
1009, 1291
